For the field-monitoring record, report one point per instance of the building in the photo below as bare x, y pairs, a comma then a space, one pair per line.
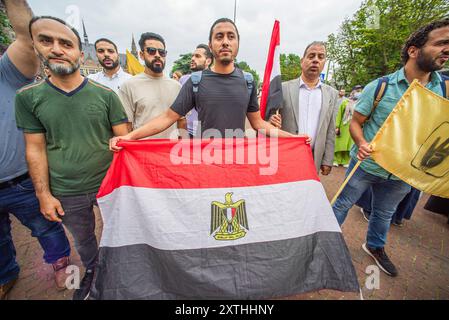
91, 64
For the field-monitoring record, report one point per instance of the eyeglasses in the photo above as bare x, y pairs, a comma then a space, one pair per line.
152, 51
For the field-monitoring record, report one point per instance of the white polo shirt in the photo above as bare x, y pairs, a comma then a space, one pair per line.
115, 82
310, 104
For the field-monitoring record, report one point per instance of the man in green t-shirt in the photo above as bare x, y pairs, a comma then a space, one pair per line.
67, 121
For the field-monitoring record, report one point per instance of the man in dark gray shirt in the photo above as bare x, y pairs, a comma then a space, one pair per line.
18, 67
222, 100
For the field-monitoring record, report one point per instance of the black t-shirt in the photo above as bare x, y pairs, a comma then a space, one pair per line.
222, 101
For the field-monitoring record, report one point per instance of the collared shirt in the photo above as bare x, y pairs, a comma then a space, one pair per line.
115, 82
310, 104
397, 86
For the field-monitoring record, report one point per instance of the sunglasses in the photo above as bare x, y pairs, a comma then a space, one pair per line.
152, 51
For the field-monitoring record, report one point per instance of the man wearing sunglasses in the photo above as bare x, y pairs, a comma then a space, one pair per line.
150, 93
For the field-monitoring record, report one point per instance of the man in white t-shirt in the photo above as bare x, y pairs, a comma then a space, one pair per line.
112, 75
150, 93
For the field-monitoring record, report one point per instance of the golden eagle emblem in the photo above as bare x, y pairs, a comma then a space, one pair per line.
229, 220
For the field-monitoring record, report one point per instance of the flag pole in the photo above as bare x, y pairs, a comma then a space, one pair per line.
346, 182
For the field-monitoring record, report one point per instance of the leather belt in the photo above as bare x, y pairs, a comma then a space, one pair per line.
14, 181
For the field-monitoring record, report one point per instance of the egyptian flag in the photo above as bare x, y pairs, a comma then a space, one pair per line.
218, 219
271, 98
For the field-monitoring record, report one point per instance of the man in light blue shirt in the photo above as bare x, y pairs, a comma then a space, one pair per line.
425, 52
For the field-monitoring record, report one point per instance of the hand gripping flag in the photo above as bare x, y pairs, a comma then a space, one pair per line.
413, 143
221, 219
271, 98
133, 65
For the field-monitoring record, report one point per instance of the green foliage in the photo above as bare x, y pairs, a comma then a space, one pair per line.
4, 24
182, 64
245, 67
361, 53
290, 67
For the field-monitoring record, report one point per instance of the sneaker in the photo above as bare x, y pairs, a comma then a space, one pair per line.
83, 292
5, 288
398, 223
61, 276
365, 214
382, 260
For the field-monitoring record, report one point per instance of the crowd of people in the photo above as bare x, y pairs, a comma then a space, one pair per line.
57, 133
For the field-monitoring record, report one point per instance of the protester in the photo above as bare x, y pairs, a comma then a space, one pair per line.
112, 75
177, 75
202, 58
313, 109
222, 98
18, 67
438, 205
150, 93
424, 53
343, 141
67, 121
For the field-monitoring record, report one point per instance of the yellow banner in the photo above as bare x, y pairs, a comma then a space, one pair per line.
133, 65
413, 144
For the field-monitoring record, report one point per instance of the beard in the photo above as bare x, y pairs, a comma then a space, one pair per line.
152, 65
60, 69
426, 63
198, 67
114, 65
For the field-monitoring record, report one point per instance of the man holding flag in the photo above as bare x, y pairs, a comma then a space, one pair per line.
223, 96
425, 52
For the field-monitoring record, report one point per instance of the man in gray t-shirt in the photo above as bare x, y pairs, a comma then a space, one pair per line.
18, 67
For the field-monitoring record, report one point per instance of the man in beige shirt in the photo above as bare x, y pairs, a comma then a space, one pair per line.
151, 93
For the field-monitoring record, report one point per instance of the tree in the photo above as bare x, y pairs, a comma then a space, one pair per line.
182, 64
362, 52
5, 27
245, 67
290, 67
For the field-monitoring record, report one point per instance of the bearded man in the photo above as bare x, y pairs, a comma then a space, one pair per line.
112, 75
67, 121
150, 93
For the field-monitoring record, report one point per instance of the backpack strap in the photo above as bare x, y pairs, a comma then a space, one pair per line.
196, 79
380, 92
445, 86
249, 82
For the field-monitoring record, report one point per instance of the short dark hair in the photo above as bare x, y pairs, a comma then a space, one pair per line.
419, 38
208, 53
223, 20
150, 36
105, 40
34, 19
315, 43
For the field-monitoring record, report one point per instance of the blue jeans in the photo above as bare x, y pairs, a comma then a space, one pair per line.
387, 194
20, 200
405, 208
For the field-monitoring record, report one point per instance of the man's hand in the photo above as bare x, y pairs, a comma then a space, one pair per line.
276, 120
308, 139
365, 151
337, 132
326, 170
113, 143
51, 208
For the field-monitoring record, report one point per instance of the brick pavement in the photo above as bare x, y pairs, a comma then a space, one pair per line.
420, 250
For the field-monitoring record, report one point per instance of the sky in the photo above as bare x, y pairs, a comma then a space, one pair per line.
186, 23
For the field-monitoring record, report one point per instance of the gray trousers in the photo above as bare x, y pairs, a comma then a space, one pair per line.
79, 219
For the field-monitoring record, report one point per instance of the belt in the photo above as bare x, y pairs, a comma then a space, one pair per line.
14, 181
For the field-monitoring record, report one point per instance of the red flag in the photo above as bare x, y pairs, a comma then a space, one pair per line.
272, 82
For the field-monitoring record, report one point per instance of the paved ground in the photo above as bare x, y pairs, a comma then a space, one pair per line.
420, 250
